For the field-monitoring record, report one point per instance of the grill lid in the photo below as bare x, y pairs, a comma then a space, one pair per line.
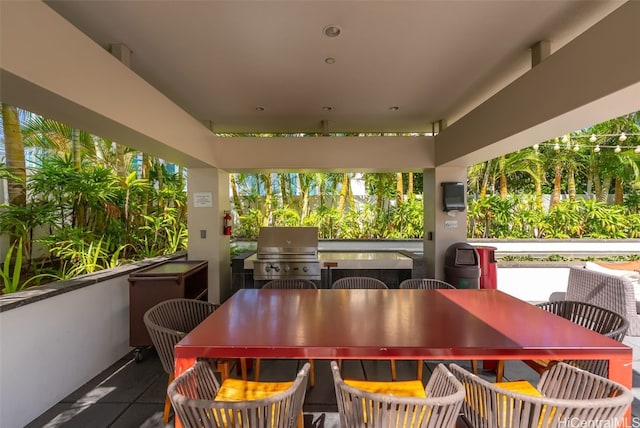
287, 242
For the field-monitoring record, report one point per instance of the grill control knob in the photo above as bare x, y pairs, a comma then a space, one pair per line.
305, 269
287, 268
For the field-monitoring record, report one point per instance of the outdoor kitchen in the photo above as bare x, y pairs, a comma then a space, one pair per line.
293, 252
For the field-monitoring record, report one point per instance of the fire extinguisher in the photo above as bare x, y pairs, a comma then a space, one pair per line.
226, 223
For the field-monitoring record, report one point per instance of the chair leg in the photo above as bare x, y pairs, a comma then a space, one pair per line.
499, 370
312, 374
419, 369
256, 370
474, 367
223, 368
167, 403
243, 368
393, 370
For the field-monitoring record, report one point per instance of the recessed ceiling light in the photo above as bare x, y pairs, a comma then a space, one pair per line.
259, 108
331, 31
327, 108
330, 60
394, 108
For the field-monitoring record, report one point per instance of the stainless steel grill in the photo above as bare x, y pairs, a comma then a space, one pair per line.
287, 252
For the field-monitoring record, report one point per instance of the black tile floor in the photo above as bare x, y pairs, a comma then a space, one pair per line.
131, 394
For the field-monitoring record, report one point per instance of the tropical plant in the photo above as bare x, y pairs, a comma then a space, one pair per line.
11, 274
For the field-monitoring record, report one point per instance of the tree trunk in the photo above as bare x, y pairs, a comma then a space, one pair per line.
485, 179
399, 188
539, 173
343, 193
571, 184
234, 192
619, 191
76, 149
503, 177
267, 199
14, 147
557, 186
410, 185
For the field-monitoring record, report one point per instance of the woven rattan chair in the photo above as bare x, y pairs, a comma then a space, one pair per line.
424, 284
167, 323
593, 317
564, 396
290, 284
389, 405
283, 284
201, 402
355, 282
362, 282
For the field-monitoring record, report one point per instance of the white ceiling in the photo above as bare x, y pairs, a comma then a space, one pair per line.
434, 60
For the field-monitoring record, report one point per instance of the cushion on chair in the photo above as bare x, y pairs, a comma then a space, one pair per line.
618, 270
246, 390
407, 388
519, 386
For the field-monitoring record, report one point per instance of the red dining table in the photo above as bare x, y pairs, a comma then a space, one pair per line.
405, 324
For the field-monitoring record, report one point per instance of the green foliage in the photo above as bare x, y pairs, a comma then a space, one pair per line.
11, 275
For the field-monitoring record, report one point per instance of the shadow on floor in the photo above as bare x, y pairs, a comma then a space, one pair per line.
131, 394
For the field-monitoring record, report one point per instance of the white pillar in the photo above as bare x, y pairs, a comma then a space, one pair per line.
441, 229
208, 199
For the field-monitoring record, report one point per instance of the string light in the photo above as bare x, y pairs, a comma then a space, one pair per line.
592, 138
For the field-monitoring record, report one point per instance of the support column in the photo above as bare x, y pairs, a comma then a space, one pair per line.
208, 199
441, 229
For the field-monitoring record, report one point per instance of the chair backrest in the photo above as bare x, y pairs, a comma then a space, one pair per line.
615, 293
359, 408
596, 318
290, 284
569, 397
193, 393
355, 282
169, 321
425, 284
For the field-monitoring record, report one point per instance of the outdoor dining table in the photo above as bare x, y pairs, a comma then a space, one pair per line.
460, 324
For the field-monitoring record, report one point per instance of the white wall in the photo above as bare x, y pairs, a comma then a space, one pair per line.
51, 347
532, 284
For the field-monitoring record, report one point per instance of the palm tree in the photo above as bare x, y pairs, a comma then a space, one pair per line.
14, 161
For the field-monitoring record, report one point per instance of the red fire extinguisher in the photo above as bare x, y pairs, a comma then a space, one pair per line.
226, 223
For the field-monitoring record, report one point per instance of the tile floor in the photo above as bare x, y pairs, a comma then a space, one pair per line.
131, 394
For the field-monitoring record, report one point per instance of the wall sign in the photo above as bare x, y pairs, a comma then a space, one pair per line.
202, 200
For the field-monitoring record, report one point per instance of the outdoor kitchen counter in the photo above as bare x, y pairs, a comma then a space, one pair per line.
355, 260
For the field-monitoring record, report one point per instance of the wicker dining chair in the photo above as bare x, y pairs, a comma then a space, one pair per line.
406, 404
362, 282
201, 402
283, 284
167, 323
590, 316
424, 284
564, 396
355, 282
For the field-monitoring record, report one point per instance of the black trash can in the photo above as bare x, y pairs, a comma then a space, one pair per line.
462, 266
